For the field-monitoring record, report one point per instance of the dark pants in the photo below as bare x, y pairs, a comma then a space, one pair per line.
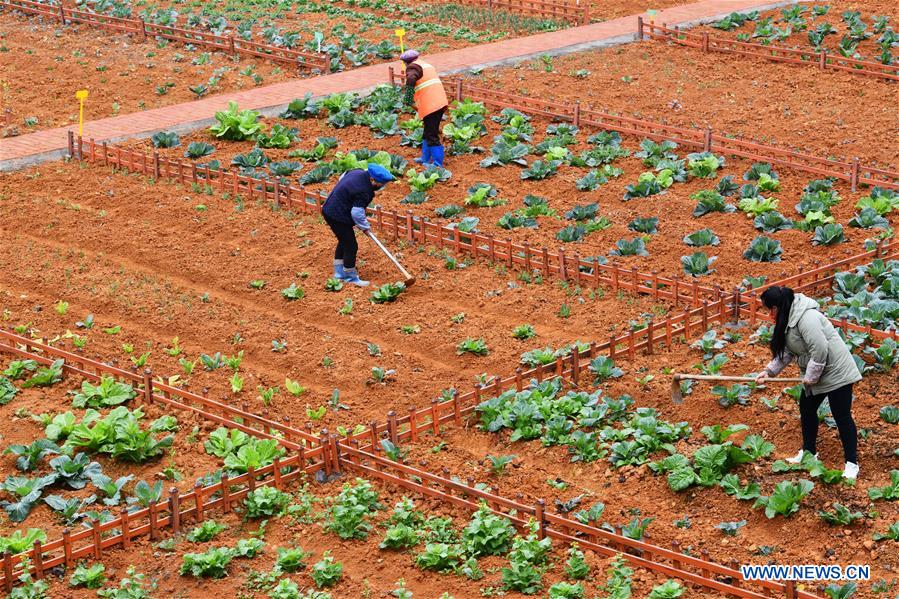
346, 242
432, 127
841, 407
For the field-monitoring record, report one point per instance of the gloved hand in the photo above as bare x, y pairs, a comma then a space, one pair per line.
359, 219
409, 96
762, 377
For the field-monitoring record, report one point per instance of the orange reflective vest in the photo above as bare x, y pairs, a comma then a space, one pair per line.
429, 93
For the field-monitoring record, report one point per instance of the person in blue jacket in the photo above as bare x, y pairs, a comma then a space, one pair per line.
344, 208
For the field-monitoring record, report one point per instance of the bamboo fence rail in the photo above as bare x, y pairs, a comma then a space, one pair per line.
822, 60
141, 29
707, 140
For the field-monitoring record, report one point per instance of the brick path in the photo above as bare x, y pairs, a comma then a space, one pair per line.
25, 150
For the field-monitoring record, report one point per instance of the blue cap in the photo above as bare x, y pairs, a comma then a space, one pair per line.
379, 173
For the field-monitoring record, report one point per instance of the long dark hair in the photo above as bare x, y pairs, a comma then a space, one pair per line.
782, 299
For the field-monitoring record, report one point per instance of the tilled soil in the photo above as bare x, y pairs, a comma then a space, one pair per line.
121, 74
144, 257
674, 208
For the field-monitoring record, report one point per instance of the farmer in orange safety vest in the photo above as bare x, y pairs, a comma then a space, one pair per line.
425, 90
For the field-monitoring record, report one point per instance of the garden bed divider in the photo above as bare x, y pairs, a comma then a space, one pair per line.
557, 10
229, 44
822, 60
851, 171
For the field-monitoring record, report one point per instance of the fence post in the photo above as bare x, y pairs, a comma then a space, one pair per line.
640, 28
143, 30
853, 177
175, 509
156, 165
707, 140
38, 558
705, 42
390, 75
67, 547
459, 90
790, 589
575, 364
435, 416
71, 142
148, 386
95, 535
335, 452
392, 426
231, 44
62, 13
7, 570
822, 60
577, 114
539, 508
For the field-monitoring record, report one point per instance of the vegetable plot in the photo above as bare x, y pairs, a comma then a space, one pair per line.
519, 160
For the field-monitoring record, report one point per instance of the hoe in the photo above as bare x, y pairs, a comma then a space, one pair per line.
410, 280
678, 397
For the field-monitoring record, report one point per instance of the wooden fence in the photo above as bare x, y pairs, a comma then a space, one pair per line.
852, 171
558, 10
705, 42
141, 29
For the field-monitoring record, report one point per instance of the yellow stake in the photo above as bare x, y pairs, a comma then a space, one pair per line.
400, 33
81, 95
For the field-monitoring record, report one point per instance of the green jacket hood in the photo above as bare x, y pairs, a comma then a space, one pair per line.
801, 305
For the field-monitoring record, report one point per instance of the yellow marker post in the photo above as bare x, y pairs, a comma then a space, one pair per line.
81, 95
400, 33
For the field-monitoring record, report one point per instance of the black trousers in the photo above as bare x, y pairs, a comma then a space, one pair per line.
346, 242
432, 127
841, 407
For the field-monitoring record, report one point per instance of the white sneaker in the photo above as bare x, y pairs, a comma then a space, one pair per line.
850, 471
797, 459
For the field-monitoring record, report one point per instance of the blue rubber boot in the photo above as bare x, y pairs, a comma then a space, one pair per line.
338, 270
351, 275
425, 153
437, 155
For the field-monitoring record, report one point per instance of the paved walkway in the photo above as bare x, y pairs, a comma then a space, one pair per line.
25, 150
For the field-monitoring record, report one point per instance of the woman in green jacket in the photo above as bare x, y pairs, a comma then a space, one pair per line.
803, 333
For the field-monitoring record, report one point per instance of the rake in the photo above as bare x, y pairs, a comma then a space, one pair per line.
677, 395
